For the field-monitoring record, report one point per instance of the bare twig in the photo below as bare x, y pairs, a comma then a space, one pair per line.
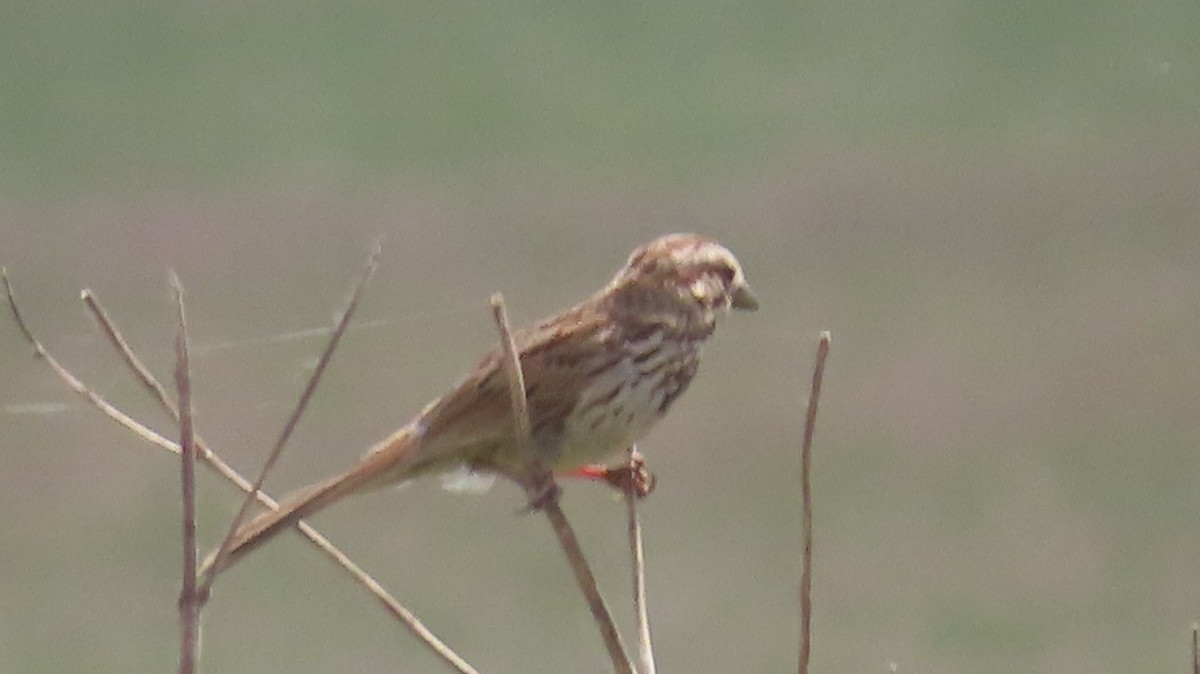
547, 501
147, 434
810, 422
301, 405
213, 460
189, 602
139, 369
645, 647
511, 364
1195, 648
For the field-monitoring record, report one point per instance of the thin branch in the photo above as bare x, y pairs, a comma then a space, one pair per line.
135, 364
189, 602
12, 304
1195, 648
538, 477
645, 648
147, 434
301, 405
810, 422
547, 500
214, 461
587, 585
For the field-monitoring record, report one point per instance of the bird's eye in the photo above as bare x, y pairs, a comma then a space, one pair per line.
726, 275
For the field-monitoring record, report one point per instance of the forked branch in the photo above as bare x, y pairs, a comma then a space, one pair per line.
215, 462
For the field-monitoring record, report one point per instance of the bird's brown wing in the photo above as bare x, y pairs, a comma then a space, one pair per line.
471, 422
474, 420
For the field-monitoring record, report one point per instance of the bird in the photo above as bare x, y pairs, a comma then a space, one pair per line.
598, 376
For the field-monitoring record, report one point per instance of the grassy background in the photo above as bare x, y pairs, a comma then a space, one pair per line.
993, 207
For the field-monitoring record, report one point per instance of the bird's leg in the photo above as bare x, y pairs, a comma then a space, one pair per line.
632, 474
541, 489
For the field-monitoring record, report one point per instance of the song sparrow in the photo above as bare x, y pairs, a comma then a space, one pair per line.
597, 377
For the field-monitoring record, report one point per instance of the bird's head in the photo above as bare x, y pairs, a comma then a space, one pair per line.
690, 268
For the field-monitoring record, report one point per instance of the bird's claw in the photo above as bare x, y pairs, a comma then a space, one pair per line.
633, 476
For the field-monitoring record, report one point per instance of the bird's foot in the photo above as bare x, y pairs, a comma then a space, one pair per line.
632, 476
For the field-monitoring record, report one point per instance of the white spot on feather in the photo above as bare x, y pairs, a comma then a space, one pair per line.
465, 479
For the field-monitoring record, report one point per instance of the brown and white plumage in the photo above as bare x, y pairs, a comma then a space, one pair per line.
597, 378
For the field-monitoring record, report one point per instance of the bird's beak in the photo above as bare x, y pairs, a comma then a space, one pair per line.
744, 299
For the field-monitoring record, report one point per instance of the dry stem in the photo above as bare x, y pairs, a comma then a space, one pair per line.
810, 422
1195, 648
214, 461
189, 601
547, 501
147, 434
297, 412
645, 647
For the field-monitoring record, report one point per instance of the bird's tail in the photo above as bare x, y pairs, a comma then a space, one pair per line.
387, 463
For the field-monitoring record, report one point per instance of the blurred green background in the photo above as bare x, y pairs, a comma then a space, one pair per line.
992, 206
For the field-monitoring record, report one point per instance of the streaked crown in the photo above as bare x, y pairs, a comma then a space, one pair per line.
691, 268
